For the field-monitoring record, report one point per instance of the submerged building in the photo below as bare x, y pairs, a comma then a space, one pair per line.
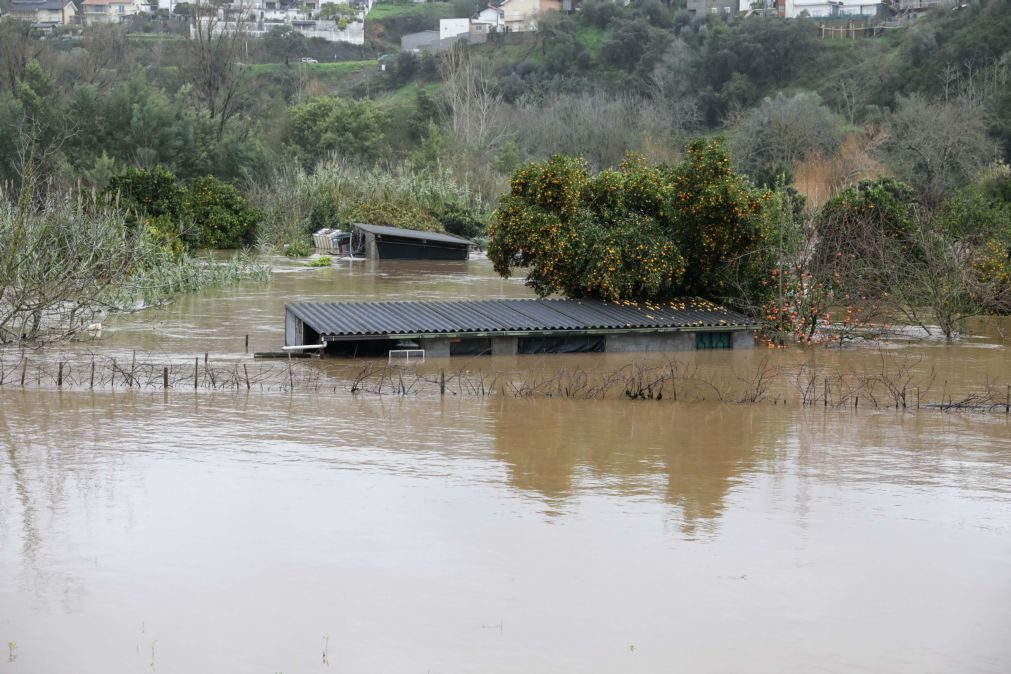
515, 326
394, 243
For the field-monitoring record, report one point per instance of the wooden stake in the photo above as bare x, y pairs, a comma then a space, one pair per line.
196, 372
91, 384
24, 369
164, 377
59, 375
442, 381
247, 343
246, 372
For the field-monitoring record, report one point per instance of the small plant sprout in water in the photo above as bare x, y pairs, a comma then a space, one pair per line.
326, 648
11, 655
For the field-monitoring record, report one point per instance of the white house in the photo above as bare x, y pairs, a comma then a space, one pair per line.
791, 9
449, 28
108, 11
55, 12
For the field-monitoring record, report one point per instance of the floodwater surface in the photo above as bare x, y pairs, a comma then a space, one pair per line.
245, 532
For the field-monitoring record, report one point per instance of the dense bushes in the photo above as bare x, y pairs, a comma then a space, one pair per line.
636, 233
208, 213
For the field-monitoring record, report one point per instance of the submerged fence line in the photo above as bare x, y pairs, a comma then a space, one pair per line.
895, 382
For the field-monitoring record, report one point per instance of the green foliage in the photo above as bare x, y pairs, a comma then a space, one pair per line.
780, 132
637, 233
220, 216
461, 221
347, 127
208, 214
297, 248
321, 261
873, 210
330, 10
284, 42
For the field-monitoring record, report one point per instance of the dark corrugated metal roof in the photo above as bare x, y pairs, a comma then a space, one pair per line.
348, 319
441, 237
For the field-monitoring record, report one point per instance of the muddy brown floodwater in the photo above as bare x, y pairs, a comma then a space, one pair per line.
255, 532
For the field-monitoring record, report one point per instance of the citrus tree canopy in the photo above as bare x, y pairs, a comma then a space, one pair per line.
634, 233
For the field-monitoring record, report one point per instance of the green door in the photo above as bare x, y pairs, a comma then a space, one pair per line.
712, 340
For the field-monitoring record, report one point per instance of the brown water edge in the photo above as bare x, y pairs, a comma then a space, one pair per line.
235, 532
226, 530
898, 378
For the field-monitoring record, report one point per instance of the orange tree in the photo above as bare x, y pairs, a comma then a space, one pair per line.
634, 233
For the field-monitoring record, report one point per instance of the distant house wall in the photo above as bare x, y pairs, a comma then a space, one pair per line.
449, 28
823, 8
108, 11
419, 41
713, 6
44, 12
521, 15
429, 41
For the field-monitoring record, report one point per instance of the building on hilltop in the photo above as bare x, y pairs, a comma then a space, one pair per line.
713, 6
108, 11
45, 13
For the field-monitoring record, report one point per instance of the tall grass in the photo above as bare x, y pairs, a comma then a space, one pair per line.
296, 202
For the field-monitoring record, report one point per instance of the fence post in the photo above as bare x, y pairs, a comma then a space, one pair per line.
59, 375
246, 372
247, 343
164, 377
196, 372
442, 381
91, 384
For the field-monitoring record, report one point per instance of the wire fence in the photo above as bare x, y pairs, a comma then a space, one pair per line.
893, 382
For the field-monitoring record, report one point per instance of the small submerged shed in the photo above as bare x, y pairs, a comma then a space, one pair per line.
394, 243
509, 327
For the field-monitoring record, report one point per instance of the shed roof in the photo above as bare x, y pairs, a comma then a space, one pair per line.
441, 237
376, 319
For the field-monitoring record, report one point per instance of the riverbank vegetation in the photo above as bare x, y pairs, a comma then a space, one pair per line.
819, 135
69, 259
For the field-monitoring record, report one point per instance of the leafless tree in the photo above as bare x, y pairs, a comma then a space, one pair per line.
937, 146
17, 48
474, 104
214, 67
58, 259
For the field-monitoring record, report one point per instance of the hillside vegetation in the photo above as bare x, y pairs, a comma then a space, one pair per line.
804, 118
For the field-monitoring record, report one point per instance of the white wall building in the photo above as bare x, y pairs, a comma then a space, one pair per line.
825, 8
452, 27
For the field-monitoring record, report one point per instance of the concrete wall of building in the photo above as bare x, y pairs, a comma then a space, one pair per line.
504, 346
744, 339
435, 347
650, 342
449, 28
292, 330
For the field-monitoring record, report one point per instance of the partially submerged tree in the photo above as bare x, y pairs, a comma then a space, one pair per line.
896, 257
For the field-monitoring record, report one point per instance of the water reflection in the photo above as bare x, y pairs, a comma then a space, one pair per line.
698, 452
